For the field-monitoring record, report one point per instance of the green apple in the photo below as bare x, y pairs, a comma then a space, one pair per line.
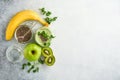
32, 52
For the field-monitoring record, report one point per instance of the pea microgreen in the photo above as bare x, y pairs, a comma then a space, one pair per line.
48, 14
30, 66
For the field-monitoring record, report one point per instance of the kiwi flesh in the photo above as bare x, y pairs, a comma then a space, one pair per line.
50, 60
47, 51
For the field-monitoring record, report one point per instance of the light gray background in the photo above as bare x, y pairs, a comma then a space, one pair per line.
87, 43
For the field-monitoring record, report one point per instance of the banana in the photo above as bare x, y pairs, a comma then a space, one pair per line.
21, 17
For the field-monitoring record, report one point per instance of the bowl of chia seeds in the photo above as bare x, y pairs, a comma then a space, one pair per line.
23, 34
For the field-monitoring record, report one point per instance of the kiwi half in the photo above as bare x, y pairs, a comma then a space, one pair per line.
47, 51
50, 60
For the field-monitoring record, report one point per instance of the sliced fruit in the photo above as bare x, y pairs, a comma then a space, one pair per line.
43, 36
47, 51
32, 52
21, 17
50, 60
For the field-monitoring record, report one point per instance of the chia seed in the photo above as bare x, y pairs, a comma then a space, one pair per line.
23, 33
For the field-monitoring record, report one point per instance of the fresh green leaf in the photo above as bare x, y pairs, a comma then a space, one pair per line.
54, 19
48, 13
34, 71
52, 36
48, 20
39, 33
43, 11
44, 43
41, 61
23, 66
44, 34
30, 68
28, 63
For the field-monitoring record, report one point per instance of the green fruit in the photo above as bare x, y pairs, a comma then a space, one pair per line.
47, 51
50, 60
43, 37
32, 52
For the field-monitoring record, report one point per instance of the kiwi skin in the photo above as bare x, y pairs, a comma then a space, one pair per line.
49, 58
50, 62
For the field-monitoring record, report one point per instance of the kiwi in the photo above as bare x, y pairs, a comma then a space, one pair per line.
47, 51
50, 60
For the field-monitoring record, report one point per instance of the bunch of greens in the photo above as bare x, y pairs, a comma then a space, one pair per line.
45, 35
31, 67
48, 14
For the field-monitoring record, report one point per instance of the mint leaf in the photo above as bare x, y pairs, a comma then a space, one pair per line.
28, 63
52, 36
43, 11
54, 19
48, 13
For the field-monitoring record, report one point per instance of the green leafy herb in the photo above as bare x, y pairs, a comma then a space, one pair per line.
44, 34
34, 71
52, 36
39, 33
41, 61
49, 20
48, 13
23, 66
54, 19
45, 43
30, 68
43, 11
28, 63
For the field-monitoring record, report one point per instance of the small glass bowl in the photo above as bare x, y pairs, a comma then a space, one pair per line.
25, 41
14, 54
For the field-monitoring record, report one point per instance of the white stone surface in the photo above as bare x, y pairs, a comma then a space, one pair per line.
87, 43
